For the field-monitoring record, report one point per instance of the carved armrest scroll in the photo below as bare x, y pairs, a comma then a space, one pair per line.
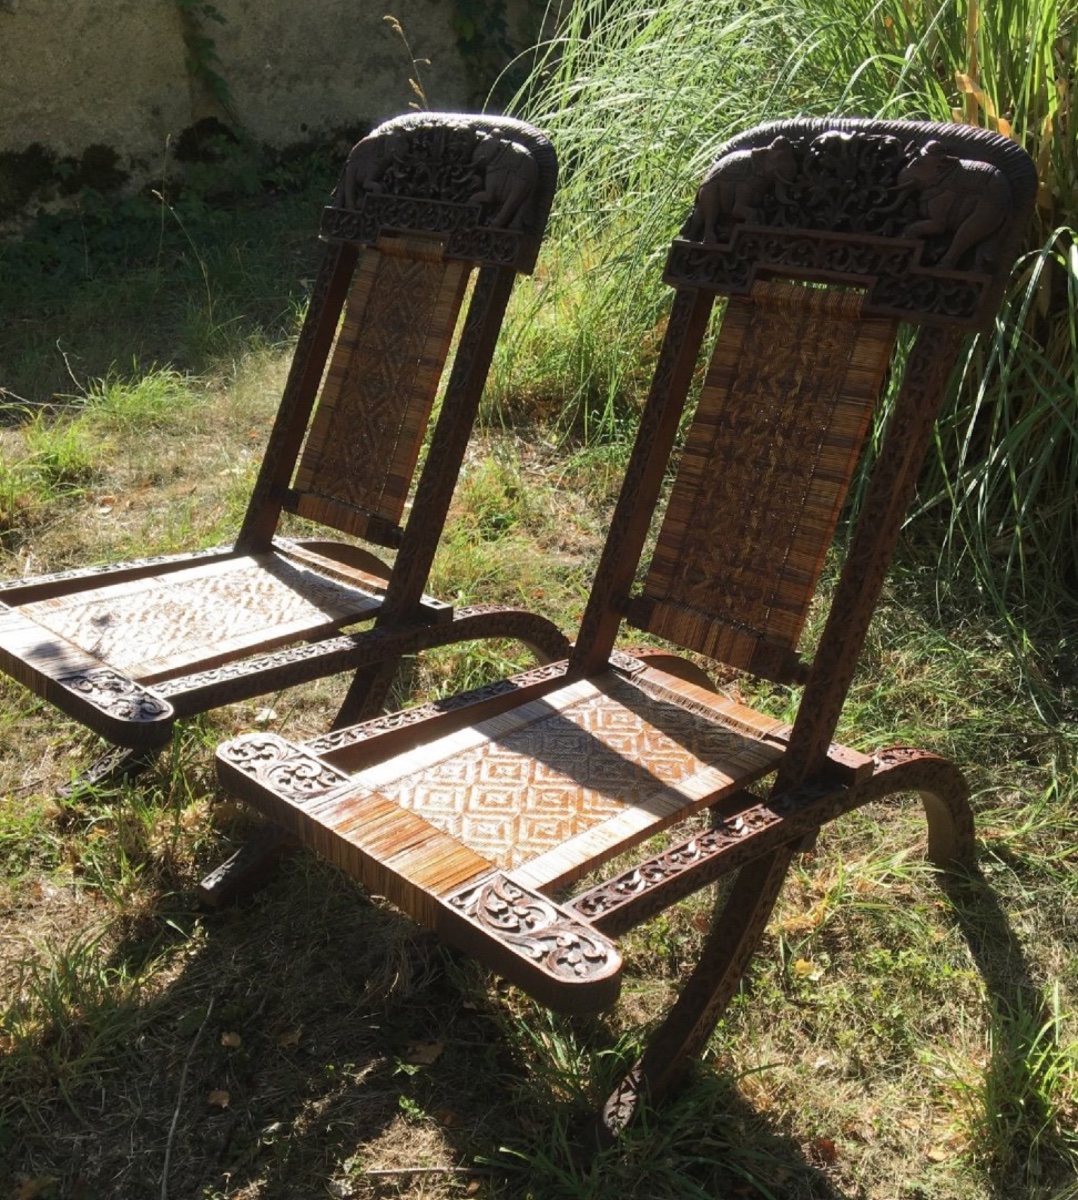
550, 952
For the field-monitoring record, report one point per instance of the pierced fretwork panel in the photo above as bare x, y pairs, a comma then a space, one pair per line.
768, 460
361, 452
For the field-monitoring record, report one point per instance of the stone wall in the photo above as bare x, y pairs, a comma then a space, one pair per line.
104, 86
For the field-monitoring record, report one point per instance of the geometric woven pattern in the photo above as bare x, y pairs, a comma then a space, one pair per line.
780, 424
157, 625
542, 790
361, 451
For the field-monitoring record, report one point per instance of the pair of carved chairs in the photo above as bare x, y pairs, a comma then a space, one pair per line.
489, 816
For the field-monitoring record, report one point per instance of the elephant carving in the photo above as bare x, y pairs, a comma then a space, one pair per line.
367, 162
738, 185
510, 174
960, 197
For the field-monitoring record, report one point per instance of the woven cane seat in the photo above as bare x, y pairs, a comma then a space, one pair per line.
158, 625
556, 786
543, 792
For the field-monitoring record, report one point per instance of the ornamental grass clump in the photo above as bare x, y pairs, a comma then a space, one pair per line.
638, 97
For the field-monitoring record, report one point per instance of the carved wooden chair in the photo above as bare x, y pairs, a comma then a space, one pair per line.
427, 204
478, 815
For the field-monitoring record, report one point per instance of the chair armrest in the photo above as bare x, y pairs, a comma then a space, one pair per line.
93, 693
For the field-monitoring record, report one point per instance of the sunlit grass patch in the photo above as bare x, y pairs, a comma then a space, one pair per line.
1014, 1099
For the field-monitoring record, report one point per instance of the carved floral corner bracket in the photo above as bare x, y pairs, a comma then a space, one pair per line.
544, 948
117, 695
287, 771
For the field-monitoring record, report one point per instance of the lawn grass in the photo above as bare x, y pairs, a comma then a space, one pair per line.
899, 1034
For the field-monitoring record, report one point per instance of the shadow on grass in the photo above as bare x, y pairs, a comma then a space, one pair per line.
313, 1042
1016, 1123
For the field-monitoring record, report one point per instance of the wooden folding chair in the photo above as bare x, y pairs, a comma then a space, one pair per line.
426, 203
477, 815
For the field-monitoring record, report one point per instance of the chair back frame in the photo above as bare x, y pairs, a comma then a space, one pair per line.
425, 201
898, 221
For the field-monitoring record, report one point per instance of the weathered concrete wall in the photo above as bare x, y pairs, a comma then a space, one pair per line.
81, 72
293, 68
112, 73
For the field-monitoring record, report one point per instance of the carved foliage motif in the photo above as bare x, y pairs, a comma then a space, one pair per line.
252, 676
284, 769
912, 217
853, 183
464, 239
338, 739
656, 883
472, 182
116, 694
451, 162
353, 650
105, 569
653, 885
290, 656
533, 927
627, 664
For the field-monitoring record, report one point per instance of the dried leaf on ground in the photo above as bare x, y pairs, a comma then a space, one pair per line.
422, 1054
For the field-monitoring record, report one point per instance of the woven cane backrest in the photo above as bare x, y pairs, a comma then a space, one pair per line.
383, 376
786, 405
427, 204
823, 236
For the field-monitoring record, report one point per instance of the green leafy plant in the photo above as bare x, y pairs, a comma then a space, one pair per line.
202, 60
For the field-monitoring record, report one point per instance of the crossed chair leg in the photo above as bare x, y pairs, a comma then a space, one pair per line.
115, 765
736, 932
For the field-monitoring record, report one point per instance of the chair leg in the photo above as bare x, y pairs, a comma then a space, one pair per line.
251, 867
367, 693
733, 939
115, 765
736, 930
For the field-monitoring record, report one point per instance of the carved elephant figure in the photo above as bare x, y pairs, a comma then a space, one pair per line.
958, 196
510, 174
367, 161
738, 185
